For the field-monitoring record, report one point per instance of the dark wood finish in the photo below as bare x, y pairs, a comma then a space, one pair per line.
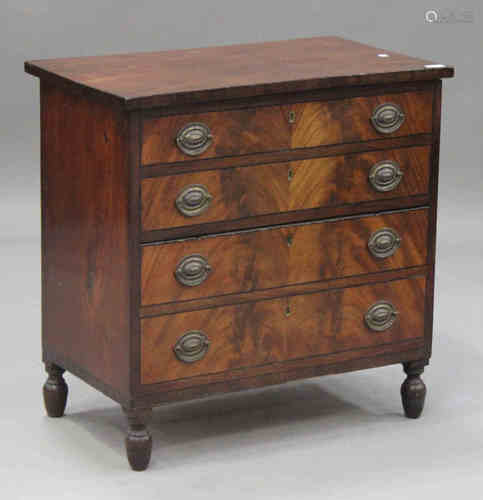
274, 331
307, 368
134, 229
85, 257
286, 156
320, 94
349, 120
194, 75
287, 255
283, 187
234, 132
292, 274
55, 391
297, 216
260, 129
413, 389
138, 441
286, 291
433, 216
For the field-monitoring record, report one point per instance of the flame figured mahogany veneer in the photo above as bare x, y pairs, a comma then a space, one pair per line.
269, 218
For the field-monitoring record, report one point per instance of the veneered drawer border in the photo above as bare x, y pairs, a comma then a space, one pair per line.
261, 365
278, 134
344, 190
341, 238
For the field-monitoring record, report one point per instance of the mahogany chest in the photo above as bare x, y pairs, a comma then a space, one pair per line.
233, 217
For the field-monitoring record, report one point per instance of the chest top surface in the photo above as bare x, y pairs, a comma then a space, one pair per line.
143, 80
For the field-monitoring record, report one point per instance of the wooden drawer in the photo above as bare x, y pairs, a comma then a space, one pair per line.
274, 128
274, 331
278, 256
237, 193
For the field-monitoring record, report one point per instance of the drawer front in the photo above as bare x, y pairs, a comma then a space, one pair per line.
179, 138
272, 331
281, 256
236, 193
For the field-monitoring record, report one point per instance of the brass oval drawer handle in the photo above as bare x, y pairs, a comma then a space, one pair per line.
194, 138
192, 346
193, 200
384, 242
385, 175
380, 316
192, 270
387, 118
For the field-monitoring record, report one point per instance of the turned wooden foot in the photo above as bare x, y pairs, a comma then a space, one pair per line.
55, 391
413, 390
138, 440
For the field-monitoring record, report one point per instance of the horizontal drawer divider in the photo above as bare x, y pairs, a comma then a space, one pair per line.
285, 365
296, 217
246, 379
284, 291
323, 94
287, 224
162, 169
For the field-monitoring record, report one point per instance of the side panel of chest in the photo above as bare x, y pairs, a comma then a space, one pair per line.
86, 260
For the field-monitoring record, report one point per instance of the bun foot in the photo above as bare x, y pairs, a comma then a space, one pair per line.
55, 391
138, 440
413, 390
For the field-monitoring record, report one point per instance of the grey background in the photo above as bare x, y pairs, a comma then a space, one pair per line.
334, 437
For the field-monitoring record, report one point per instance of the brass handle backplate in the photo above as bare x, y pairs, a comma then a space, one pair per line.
380, 316
194, 138
193, 200
387, 118
385, 175
192, 270
192, 346
384, 242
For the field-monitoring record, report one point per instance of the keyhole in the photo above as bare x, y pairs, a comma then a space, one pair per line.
289, 240
288, 311
290, 174
291, 116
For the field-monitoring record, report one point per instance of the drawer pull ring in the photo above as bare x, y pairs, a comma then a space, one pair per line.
192, 270
194, 138
381, 316
192, 346
385, 175
387, 118
193, 200
384, 242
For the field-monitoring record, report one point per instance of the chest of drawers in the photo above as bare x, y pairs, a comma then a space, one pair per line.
233, 217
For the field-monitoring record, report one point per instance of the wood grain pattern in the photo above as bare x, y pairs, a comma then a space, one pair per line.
288, 155
234, 132
347, 361
85, 258
255, 260
274, 331
282, 187
152, 79
267, 128
433, 216
272, 293
348, 120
